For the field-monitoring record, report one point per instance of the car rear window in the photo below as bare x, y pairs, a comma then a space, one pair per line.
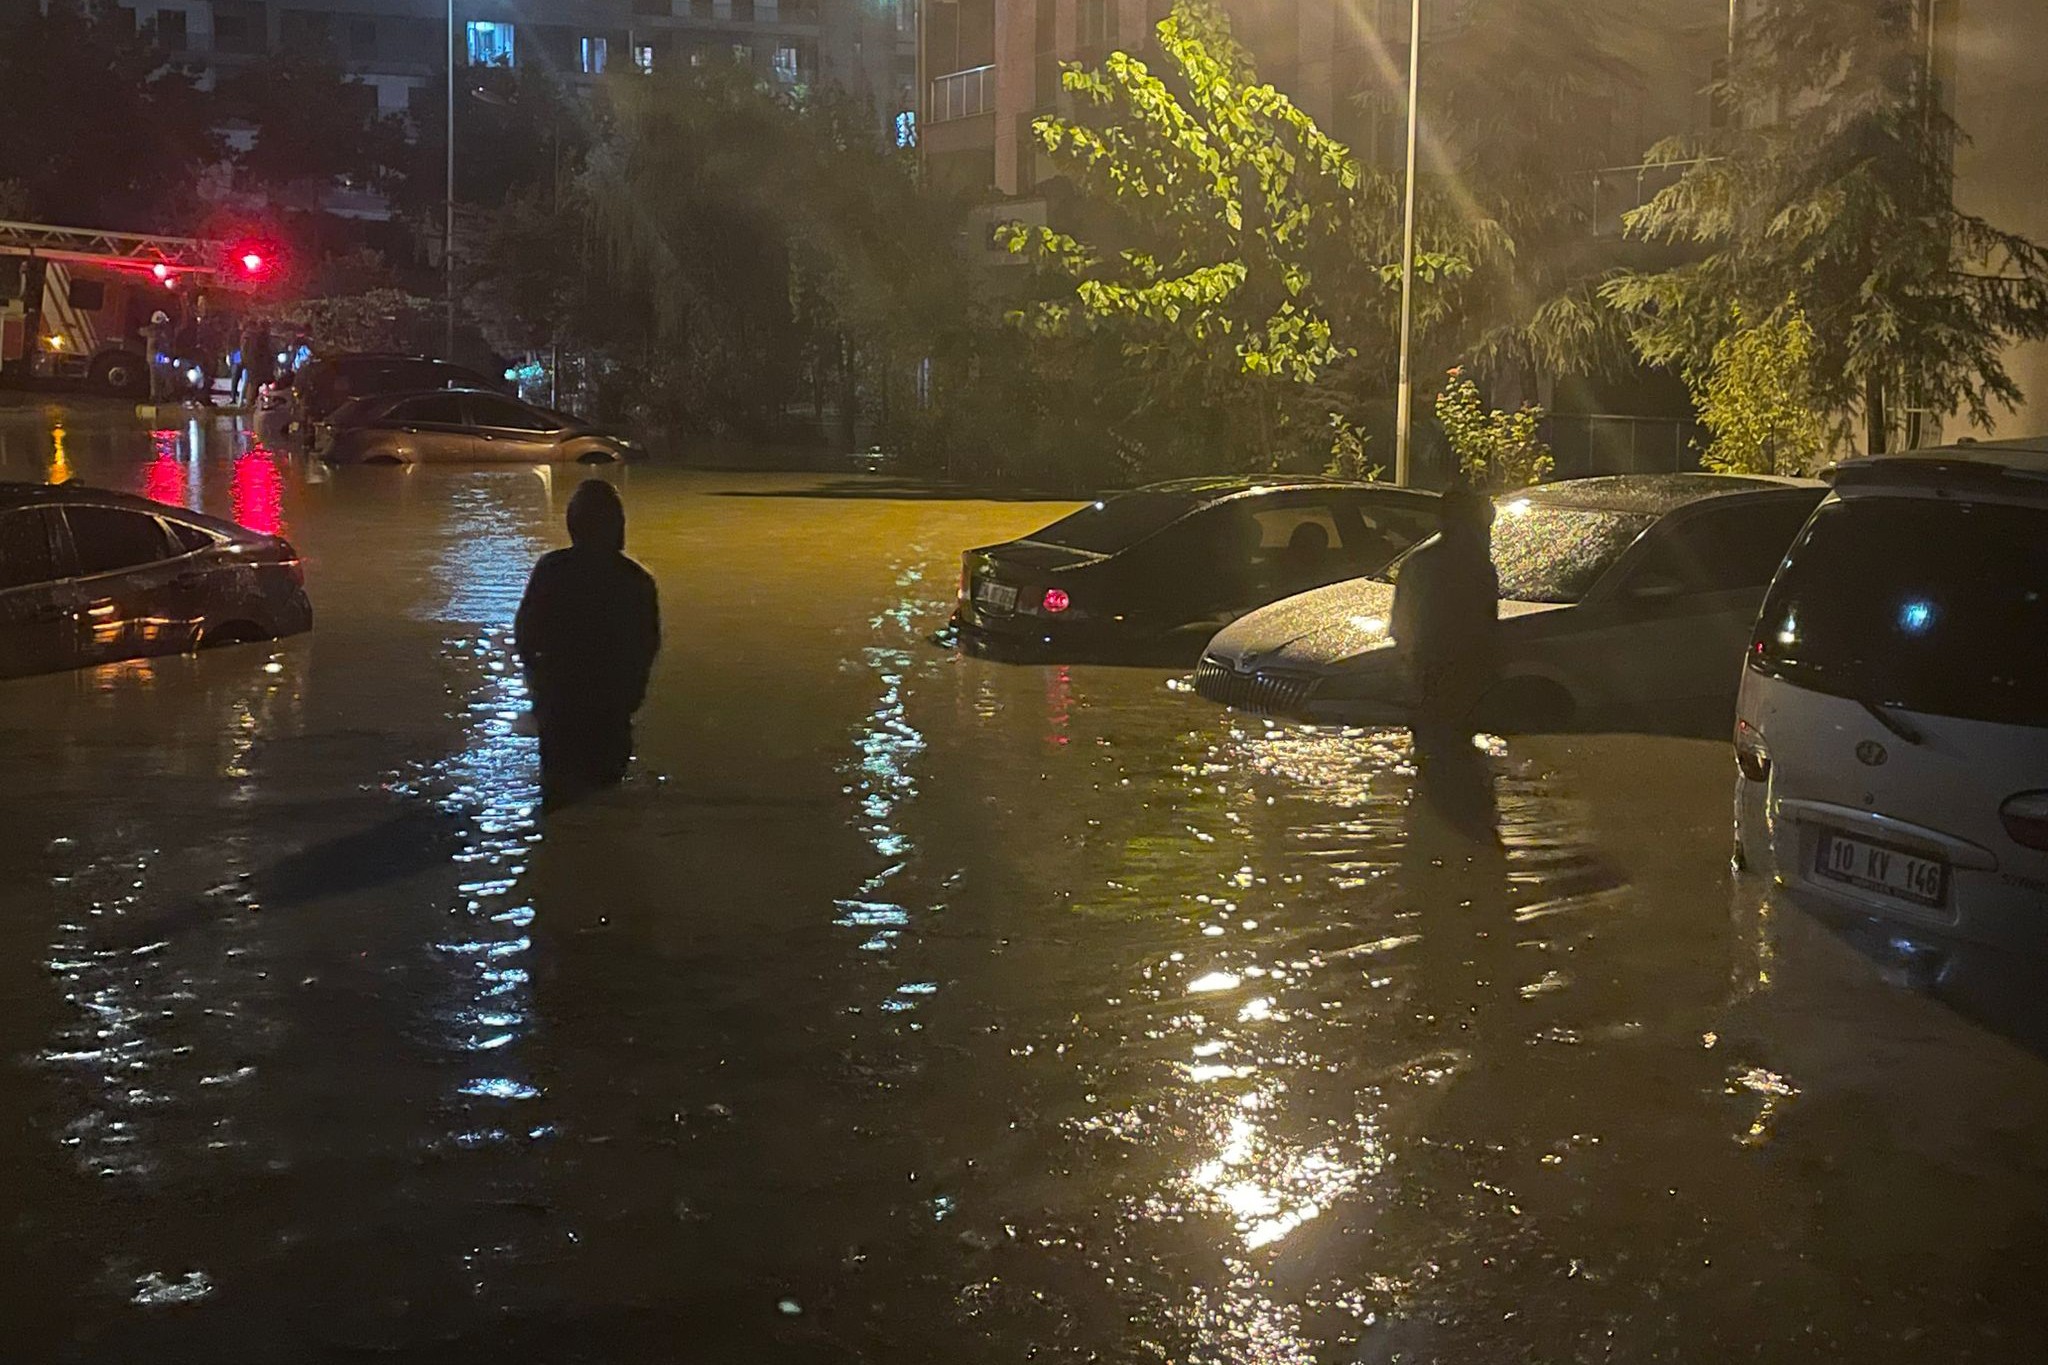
1109, 525
1934, 606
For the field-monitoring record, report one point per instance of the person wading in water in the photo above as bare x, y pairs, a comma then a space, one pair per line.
1446, 623
587, 632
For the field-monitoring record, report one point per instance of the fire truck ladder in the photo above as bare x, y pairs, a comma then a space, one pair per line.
184, 254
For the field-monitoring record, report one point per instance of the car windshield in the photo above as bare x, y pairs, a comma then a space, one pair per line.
1108, 525
1553, 554
1879, 601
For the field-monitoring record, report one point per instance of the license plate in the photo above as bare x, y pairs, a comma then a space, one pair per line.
1875, 867
999, 596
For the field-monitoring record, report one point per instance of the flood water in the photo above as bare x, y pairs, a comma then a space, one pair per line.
911, 1007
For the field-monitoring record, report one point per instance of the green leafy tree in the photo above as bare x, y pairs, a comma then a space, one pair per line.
1756, 397
1496, 449
1244, 256
1834, 184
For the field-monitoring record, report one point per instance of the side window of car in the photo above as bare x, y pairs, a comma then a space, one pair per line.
110, 538
489, 410
28, 553
435, 409
189, 538
1723, 550
1387, 531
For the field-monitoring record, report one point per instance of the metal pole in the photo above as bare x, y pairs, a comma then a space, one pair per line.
448, 218
1404, 414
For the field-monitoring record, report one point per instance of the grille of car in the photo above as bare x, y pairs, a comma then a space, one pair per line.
1259, 692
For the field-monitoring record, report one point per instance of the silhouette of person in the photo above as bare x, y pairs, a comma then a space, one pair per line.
1446, 619
587, 632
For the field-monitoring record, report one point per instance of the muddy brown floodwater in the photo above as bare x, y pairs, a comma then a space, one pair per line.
908, 1007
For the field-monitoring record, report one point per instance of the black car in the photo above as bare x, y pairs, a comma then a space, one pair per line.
1157, 571
89, 576
322, 385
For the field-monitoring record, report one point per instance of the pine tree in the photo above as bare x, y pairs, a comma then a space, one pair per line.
1833, 183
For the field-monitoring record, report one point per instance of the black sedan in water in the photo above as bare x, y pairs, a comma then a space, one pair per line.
1152, 574
89, 576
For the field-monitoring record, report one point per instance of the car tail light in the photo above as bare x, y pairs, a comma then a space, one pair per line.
1752, 755
1056, 601
2026, 819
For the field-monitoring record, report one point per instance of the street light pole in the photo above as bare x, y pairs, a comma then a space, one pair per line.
448, 214
1404, 400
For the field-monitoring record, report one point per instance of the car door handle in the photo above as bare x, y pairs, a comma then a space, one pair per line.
487, 435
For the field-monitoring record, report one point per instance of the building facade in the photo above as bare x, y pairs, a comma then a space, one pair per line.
399, 47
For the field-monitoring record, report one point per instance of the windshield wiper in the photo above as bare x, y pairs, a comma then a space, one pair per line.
1898, 725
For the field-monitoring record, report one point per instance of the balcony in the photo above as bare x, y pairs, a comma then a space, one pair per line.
1618, 190
963, 94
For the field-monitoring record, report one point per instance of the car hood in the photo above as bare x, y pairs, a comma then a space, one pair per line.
1324, 626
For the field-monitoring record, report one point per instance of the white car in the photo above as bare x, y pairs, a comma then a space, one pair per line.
1625, 600
1892, 727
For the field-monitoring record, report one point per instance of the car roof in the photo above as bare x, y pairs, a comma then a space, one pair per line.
1215, 488
19, 495
1654, 494
2014, 468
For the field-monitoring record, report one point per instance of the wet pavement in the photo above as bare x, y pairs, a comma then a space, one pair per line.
910, 1007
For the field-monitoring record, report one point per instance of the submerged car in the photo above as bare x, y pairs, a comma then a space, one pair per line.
1624, 598
1158, 570
1892, 734
462, 426
321, 386
89, 576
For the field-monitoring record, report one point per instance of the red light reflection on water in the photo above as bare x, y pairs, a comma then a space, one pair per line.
1059, 702
164, 477
256, 492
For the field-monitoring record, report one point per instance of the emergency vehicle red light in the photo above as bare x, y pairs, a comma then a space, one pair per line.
1056, 600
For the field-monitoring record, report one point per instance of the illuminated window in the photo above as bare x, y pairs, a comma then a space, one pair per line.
785, 64
489, 44
643, 57
596, 52
906, 128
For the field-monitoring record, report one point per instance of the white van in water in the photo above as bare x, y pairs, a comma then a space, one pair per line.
1892, 730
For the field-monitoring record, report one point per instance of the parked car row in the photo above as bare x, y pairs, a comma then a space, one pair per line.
1879, 640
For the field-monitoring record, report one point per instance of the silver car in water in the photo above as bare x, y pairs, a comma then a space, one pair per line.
1624, 600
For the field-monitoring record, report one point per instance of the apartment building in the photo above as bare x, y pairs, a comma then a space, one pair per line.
1993, 55
395, 47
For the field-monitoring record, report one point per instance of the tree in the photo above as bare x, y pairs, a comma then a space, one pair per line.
1249, 249
313, 125
95, 129
1496, 449
1834, 184
1756, 397
1517, 116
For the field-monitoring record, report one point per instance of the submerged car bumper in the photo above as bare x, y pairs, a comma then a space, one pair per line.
1978, 898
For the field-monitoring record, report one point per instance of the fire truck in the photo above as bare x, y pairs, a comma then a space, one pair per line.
74, 301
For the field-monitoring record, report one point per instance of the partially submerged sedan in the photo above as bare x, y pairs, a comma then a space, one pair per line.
89, 576
1624, 599
1154, 573
461, 426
